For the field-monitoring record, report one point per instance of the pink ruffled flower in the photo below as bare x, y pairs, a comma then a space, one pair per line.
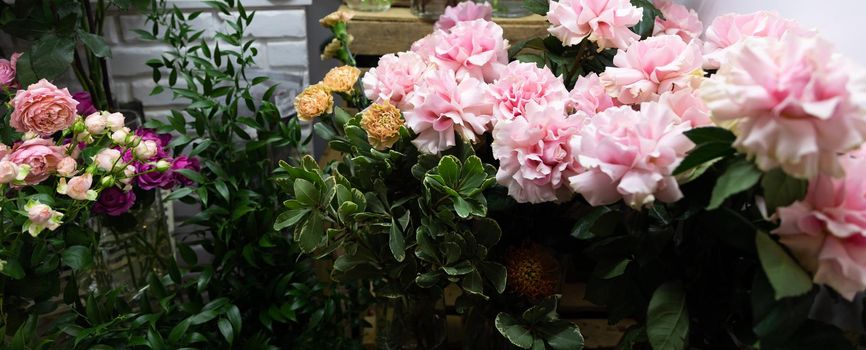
522, 83
43, 108
535, 159
472, 48
8, 77
630, 155
40, 154
688, 106
605, 22
729, 29
678, 20
443, 105
462, 12
589, 96
394, 78
826, 231
791, 102
651, 67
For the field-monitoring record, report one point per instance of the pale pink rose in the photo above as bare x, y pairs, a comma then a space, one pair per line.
8, 171
522, 83
146, 149
394, 78
651, 67
472, 48
121, 136
535, 159
4, 150
605, 22
443, 106
732, 28
96, 123
115, 121
826, 231
688, 106
43, 108
66, 167
678, 20
589, 96
108, 159
40, 154
630, 155
79, 187
791, 102
39, 214
464, 11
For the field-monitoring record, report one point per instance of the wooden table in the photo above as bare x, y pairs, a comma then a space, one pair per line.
380, 33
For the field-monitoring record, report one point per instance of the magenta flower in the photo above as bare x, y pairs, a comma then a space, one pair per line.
85, 103
114, 202
184, 162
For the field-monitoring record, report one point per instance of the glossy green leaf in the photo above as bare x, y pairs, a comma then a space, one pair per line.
738, 177
786, 276
668, 318
396, 242
513, 330
781, 190
77, 257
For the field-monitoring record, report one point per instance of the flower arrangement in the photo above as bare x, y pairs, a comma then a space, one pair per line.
712, 183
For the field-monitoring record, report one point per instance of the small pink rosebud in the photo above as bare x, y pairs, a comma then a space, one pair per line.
8, 171
107, 159
66, 167
96, 123
115, 121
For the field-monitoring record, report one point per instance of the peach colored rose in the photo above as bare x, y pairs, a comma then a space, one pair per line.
651, 67
66, 167
382, 123
78, 188
107, 159
40, 154
43, 108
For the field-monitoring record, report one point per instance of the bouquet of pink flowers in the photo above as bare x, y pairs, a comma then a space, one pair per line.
708, 186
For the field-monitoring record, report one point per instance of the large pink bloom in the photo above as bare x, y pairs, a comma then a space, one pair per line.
443, 105
729, 29
462, 12
791, 102
522, 83
471, 48
394, 78
589, 96
40, 154
678, 20
826, 231
43, 108
688, 106
605, 22
630, 155
651, 67
535, 159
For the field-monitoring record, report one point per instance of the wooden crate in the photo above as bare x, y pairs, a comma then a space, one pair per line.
379, 33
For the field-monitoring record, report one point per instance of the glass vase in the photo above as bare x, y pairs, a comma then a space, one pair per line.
369, 5
430, 10
507, 8
409, 322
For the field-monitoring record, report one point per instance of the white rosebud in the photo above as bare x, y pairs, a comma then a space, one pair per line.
96, 123
115, 121
120, 136
146, 150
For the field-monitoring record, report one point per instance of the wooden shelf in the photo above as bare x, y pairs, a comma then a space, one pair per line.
380, 33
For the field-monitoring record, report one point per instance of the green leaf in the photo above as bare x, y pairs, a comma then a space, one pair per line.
645, 27
428, 279
462, 268
290, 217
539, 7
192, 175
583, 227
738, 177
561, 335
13, 269
178, 193
47, 58
607, 269
472, 283
178, 331
704, 153
496, 274
668, 318
449, 169
77, 257
306, 192
312, 233
397, 242
710, 134
786, 276
781, 190
512, 329
226, 330
95, 44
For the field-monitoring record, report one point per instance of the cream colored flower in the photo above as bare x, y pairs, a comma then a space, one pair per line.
382, 123
314, 101
336, 17
341, 79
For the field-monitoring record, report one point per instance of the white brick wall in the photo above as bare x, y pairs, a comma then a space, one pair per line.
279, 28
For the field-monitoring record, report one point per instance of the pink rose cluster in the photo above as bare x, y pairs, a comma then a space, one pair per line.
826, 231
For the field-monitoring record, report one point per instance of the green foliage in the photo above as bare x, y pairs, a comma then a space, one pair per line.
786, 276
644, 28
668, 318
739, 176
540, 328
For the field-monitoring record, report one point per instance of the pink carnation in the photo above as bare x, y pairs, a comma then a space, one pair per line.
394, 78
826, 231
688, 106
605, 22
43, 108
791, 102
630, 155
462, 12
589, 96
472, 48
40, 154
729, 29
651, 67
678, 20
522, 83
535, 159
443, 105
